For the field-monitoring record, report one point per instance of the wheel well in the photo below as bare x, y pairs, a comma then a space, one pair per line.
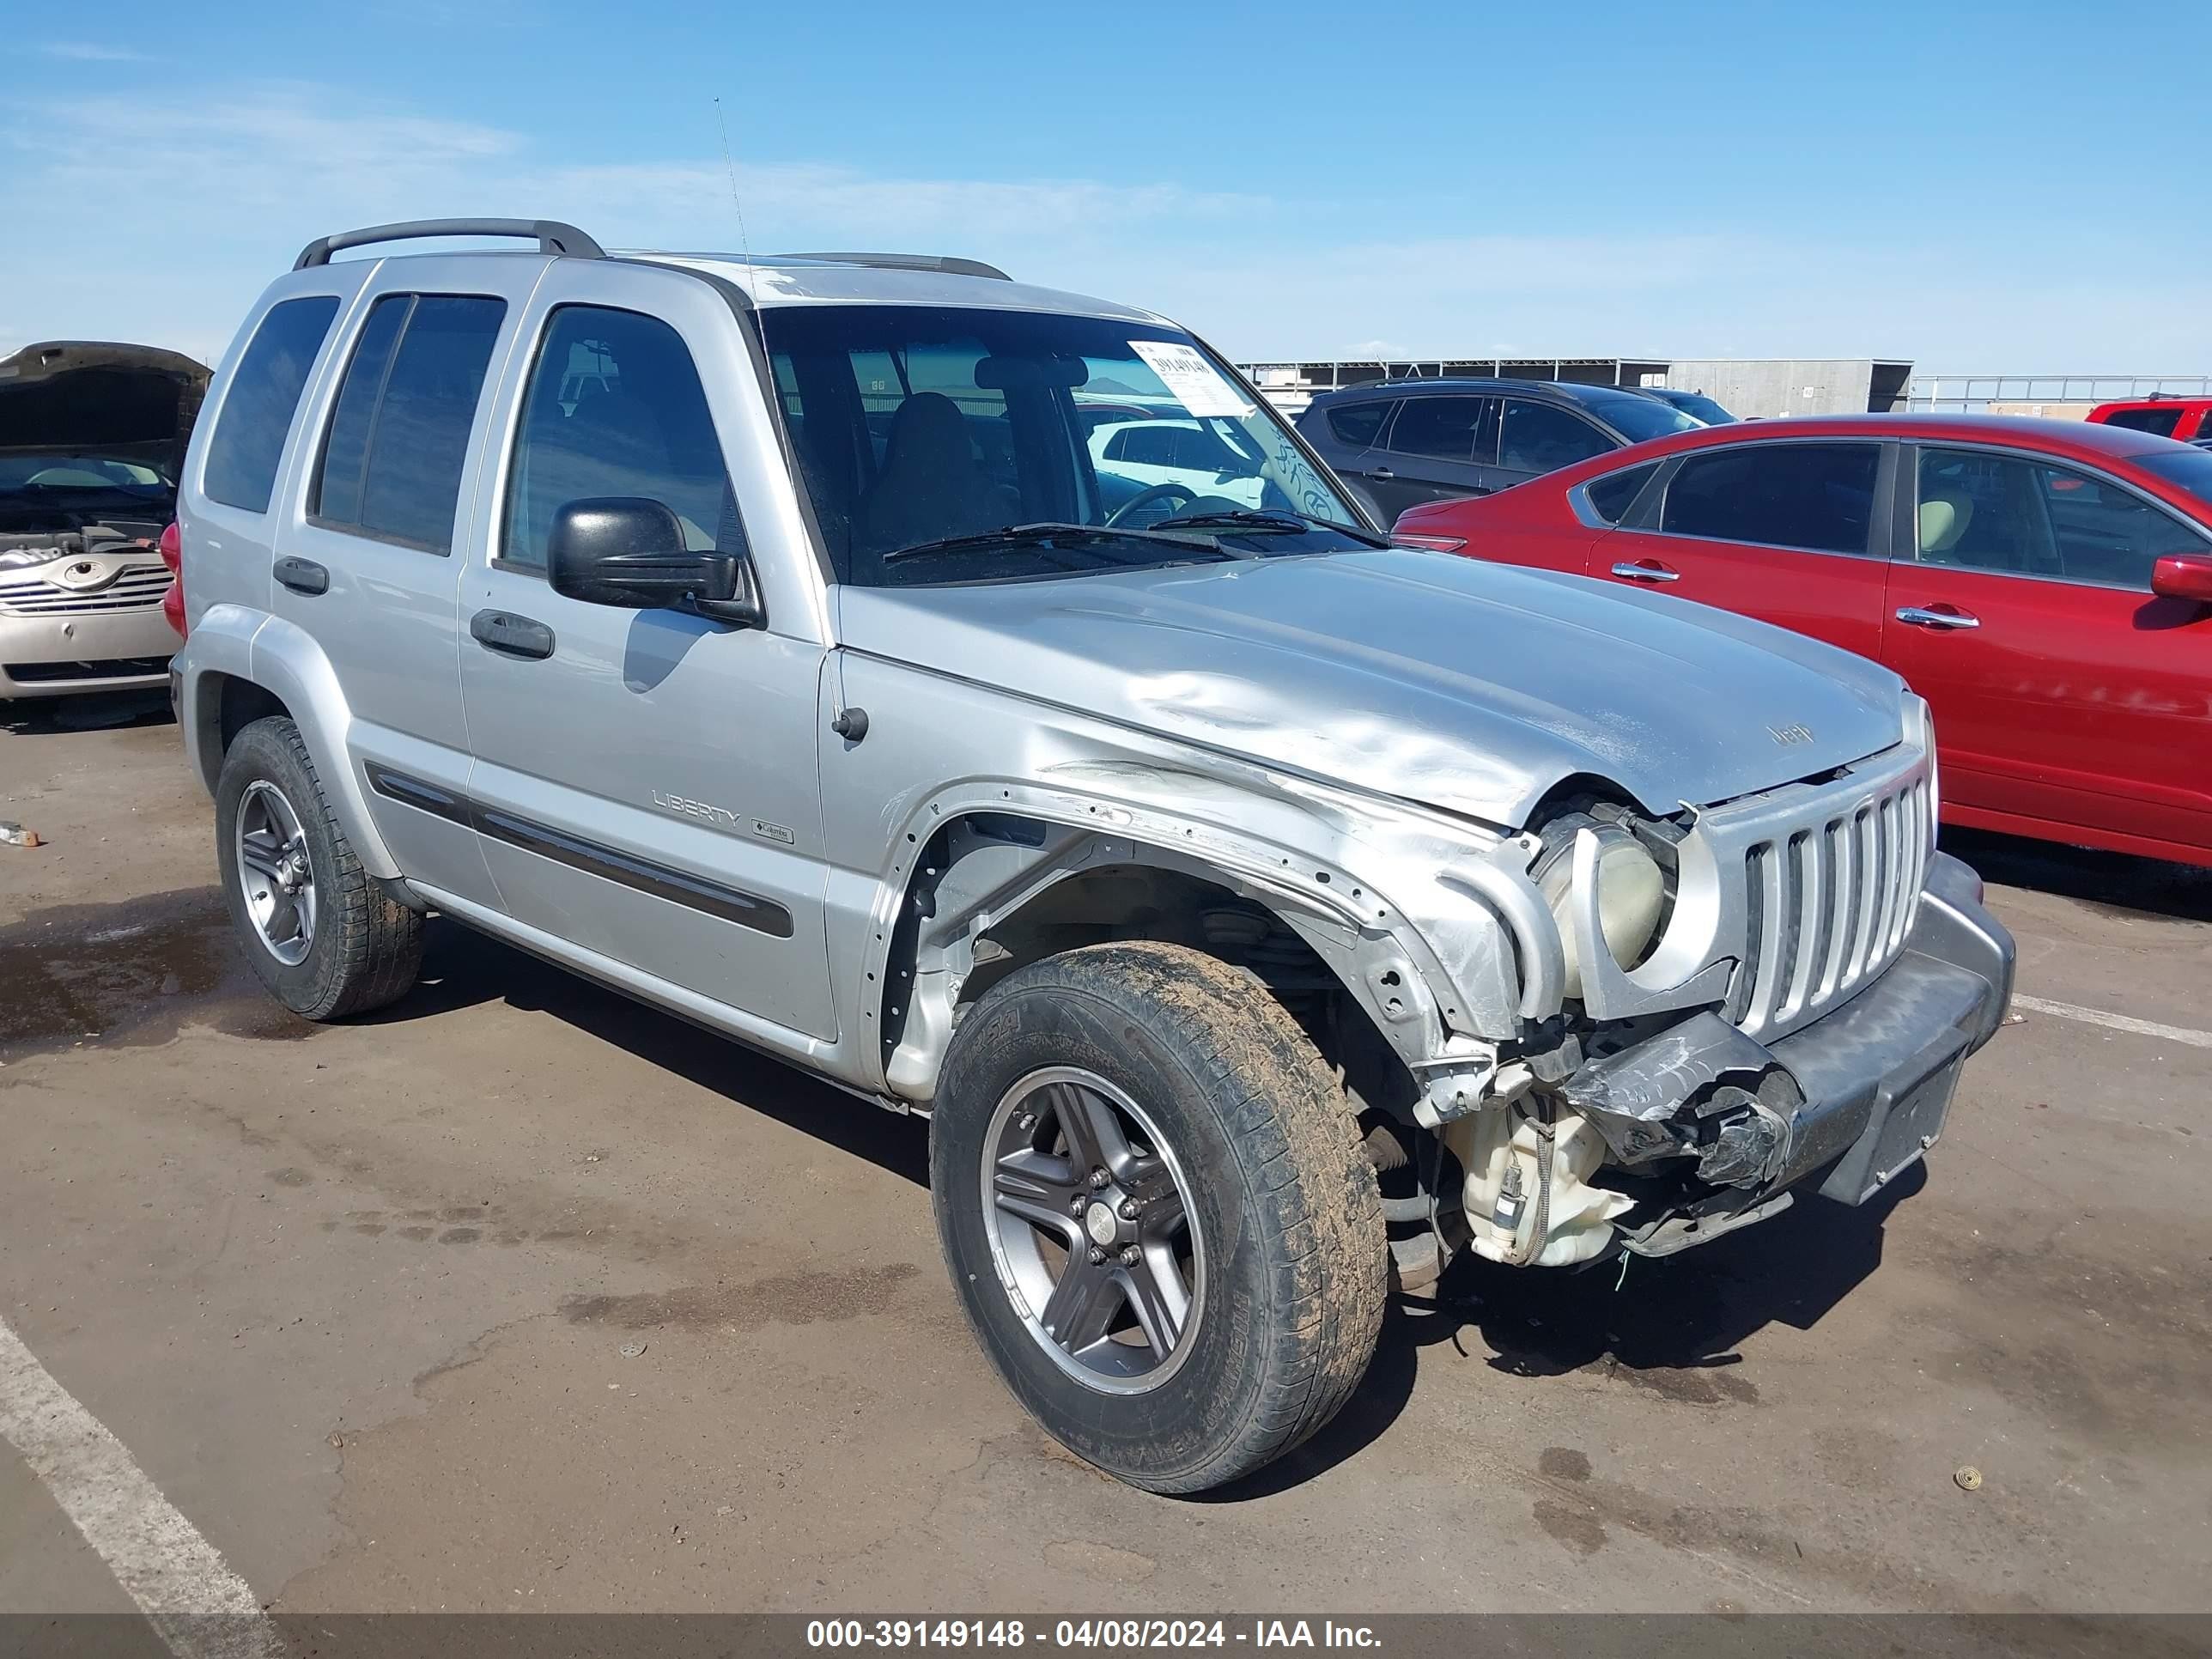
1105, 902
241, 703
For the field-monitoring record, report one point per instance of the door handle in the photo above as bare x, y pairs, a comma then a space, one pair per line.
1926, 617
302, 575
1383, 472
511, 636
1645, 570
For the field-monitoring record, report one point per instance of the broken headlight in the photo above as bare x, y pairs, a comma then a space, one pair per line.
1632, 886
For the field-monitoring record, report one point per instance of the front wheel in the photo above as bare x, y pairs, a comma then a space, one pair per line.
1157, 1213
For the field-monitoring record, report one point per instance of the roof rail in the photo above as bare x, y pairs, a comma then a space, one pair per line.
552, 236
952, 265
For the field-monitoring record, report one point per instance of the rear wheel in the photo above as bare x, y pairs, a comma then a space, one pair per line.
319, 932
1157, 1213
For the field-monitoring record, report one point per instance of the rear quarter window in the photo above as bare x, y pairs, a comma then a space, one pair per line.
264, 396
1356, 424
1609, 497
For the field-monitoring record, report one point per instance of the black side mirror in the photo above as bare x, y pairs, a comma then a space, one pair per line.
627, 550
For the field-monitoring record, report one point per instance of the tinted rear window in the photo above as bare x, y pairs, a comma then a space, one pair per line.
399, 434
1357, 424
2161, 421
1444, 427
1789, 495
264, 394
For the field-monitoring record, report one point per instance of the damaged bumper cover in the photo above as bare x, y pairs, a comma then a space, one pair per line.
1840, 1107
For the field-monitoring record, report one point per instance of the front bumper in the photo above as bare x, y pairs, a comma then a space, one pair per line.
1873, 1080
55, 656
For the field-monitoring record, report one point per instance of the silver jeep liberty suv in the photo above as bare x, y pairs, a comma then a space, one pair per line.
1262, 915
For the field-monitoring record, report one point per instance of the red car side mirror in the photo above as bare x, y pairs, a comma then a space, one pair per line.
2183, 576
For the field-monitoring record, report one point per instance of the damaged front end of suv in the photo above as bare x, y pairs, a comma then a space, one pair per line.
1720, 1008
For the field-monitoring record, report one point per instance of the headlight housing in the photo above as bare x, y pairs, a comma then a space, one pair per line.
1631, 887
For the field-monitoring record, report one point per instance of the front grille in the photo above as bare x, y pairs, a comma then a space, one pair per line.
32, 595
103, 668
1828, 902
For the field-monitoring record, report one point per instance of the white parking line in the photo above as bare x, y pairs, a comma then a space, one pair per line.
2116, 1022
180, 1582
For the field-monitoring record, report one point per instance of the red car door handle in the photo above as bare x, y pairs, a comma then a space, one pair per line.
1923, 615
1645, 570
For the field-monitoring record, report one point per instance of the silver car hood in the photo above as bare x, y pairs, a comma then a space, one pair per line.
1463, 685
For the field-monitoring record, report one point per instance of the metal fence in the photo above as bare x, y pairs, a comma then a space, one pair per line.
1965, 394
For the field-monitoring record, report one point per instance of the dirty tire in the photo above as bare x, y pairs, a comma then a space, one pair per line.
1284, 1197
366, 949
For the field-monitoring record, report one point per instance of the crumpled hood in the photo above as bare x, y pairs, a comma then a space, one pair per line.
122, 400
1462, 684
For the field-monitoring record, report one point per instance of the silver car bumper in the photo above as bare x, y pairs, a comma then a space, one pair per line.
55, 643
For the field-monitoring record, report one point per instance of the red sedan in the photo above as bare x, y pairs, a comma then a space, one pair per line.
2045, 585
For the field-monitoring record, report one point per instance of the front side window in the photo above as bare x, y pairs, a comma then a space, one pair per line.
1445, 429
946, 443
615, 407
1980, 510
2160, 423
398, 436
1812, 496
1543, 437
1356, 424
264, 396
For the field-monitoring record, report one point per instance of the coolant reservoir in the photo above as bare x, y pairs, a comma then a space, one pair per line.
1498, 1148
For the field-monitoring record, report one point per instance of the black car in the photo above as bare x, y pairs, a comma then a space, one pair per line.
1403, 442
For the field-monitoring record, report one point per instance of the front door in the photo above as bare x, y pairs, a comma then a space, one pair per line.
2065, 693
645, 781
1786, 532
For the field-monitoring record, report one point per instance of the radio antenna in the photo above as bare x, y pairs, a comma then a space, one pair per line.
729, 162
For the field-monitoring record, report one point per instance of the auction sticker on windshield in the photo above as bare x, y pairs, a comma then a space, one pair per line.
1195, 383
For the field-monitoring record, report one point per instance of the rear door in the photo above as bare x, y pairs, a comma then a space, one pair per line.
645, 780
1437, 448
2065, 694
1788, 531
366, 563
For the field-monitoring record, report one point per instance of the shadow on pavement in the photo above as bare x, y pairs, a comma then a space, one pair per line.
2115, 882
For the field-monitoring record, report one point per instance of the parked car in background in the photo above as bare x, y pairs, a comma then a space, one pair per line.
1175, 460
91, 437
2045, 585
1400, 443
1695, 404
2185, 418
1207, 882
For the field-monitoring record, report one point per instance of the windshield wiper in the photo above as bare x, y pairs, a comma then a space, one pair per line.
1043, 535
1268, 521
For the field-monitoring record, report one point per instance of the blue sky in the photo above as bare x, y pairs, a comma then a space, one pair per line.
1980, 187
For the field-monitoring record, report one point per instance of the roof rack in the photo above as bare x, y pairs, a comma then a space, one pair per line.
552, 237
951, 265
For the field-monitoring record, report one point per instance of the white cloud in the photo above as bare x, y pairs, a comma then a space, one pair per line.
160, 217
91, 52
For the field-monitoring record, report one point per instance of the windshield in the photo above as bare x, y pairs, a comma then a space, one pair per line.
2186, 465
1636, 417
61, 472
949, 445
